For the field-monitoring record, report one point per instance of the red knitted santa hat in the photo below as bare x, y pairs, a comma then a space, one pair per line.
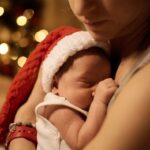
63, 42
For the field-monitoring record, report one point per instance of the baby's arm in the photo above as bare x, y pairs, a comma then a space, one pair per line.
73, 128
97, 111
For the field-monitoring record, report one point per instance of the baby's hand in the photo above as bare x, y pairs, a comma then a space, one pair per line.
105, 90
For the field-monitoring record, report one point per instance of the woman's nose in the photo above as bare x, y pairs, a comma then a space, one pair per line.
85, 7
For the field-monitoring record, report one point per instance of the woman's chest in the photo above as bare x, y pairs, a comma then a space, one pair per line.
124, 68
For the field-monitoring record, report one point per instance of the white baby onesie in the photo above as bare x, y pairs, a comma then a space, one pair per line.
48, 136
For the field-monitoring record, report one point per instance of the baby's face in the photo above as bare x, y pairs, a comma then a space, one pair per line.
82, 77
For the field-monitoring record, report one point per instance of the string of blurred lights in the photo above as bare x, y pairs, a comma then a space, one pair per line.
17, 42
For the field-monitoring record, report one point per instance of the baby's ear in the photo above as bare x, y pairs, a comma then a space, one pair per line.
54, 89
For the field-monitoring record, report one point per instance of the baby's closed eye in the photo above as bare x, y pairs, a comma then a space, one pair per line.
86, 84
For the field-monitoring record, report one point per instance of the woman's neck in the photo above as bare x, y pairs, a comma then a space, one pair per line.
127, 49
133, 43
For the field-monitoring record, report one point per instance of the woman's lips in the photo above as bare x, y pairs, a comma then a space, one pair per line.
94, 26
94, 23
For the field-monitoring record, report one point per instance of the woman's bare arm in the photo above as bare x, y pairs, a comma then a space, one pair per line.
26, 114
127, 125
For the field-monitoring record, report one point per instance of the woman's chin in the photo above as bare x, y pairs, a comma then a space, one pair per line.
97, 34
99, 37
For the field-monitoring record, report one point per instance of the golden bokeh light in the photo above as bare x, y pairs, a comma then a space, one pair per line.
28, 13
1, 11
40, 35
21, 61
4, 48
21, 20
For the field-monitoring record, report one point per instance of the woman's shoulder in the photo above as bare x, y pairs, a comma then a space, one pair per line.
136, 91
135, 81
137, 88
140, 69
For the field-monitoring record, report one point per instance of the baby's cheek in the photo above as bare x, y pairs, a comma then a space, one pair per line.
82, 99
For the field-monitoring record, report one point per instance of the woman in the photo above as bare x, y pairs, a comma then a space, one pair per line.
126, 25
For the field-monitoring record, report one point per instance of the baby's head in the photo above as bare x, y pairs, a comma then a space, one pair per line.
74, 67
70, 45
77, 79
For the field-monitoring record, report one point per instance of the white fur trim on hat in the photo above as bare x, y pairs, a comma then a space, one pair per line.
65, 48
